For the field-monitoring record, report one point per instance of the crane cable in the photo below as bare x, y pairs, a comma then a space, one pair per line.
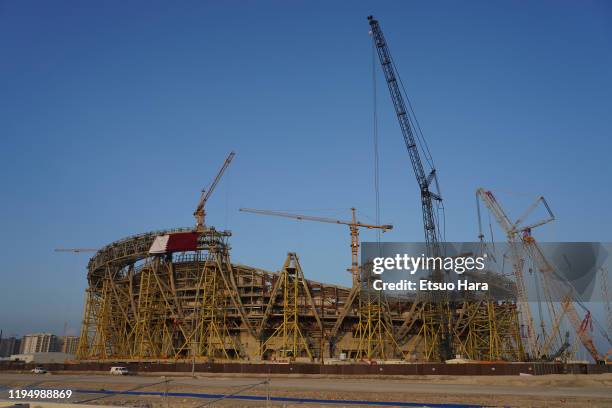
440, 214
414, 121
375, 131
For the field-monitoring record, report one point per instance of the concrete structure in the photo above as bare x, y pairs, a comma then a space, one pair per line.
69, 344
9, 346
39, 343
43, 358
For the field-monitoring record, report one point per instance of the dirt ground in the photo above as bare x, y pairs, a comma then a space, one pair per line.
498, 391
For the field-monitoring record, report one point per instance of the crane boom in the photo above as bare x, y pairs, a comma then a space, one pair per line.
547, 269
200, 211
313, 218
521, 234
509, 228
353, 225
603, 273
423, 179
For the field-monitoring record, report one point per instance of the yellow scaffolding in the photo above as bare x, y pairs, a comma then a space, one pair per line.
288, 339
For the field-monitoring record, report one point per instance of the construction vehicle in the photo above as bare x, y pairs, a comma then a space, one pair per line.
513, 230
520, 239
556, 286
427, 180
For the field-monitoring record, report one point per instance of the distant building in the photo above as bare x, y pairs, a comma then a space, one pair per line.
69, 344
39, 343
9, 346
42, 358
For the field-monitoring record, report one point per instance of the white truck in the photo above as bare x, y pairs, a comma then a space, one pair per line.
119, 371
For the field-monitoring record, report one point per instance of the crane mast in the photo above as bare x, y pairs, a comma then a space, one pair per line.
424, 179
372, 329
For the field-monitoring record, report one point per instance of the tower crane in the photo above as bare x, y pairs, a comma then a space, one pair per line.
372, 328
200, 211
353, 225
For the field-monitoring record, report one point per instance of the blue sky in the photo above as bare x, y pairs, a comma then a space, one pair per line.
114, 115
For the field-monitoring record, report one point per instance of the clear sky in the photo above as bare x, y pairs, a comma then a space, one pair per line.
113, 115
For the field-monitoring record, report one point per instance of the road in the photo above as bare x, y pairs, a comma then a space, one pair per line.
595, 390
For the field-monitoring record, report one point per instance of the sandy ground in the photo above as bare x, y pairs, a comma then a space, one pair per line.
511, 391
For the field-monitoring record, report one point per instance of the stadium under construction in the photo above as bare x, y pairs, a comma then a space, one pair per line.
175, 295
196, 303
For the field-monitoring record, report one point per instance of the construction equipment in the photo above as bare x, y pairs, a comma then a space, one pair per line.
196, 304
605, 293
548, 271
520, 238
374, 330
545, 348
512, 230
427, 181
562, 349
353, 225
200, 211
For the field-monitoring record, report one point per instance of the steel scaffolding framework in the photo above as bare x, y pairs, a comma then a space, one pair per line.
198, 305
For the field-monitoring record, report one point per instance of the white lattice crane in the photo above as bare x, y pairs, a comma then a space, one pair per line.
512, 230
519, 233
605, 292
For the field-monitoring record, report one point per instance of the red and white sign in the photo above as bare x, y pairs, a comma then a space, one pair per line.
177, 242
